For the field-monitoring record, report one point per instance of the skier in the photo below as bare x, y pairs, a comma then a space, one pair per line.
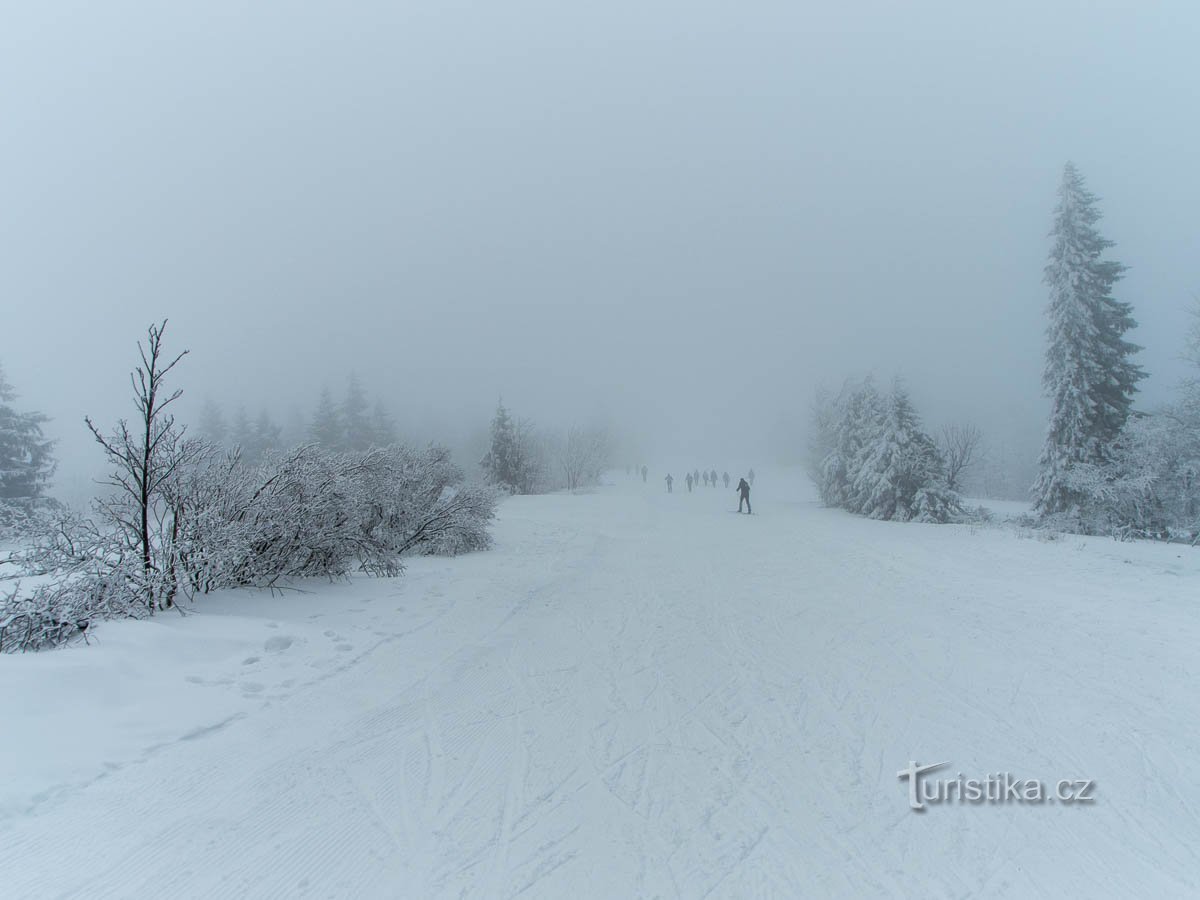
696, 477
670, 480
712, 476
726, 477
706, 479
688, 479
743, 490
750, 475
644, 471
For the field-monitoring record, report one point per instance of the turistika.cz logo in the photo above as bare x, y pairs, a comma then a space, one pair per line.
1000, 787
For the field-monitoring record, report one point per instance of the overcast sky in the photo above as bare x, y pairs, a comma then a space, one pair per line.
680, 216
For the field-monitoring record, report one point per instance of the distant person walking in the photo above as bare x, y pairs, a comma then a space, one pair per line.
696, 477
743, 490
645, 472
726, 477
712, 476
670, 481
688, 480
706, 479
750, 475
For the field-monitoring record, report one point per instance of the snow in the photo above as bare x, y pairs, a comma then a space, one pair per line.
634, 694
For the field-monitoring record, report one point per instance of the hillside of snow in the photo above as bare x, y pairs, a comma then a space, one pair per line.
634, 694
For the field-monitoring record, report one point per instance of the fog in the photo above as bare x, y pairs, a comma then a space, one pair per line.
678, 218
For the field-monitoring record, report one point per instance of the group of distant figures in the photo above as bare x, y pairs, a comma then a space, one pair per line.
710, 479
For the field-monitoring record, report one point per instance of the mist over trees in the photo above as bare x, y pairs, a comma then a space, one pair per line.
352, 424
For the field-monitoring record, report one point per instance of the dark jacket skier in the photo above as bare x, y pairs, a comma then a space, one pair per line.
688, 480
706, 478
712, 476
726, 477
670, 481
743, 490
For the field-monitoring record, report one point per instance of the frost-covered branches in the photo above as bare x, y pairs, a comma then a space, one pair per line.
583, 455
959, 446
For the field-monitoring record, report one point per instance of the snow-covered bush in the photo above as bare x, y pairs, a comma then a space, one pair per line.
310, 513
1149, 487
183, 517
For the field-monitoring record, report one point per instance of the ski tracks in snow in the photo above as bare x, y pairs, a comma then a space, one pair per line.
638, 695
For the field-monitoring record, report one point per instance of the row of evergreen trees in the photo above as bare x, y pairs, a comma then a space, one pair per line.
871, 456
351, 425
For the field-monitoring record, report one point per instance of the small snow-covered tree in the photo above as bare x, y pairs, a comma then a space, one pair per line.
326, 426
896, 462
144, 455
212, 425
502, 464
383, 428
26, 454
357, 433
267, 435
1089, 374
241, 431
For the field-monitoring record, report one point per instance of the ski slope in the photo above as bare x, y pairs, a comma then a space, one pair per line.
634, 695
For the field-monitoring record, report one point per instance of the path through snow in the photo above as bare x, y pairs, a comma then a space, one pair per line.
633, 695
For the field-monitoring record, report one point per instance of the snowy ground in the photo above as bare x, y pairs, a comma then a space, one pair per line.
634, 694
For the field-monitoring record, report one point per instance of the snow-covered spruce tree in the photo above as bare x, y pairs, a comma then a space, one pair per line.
26, 459
326, 426
241, 433
267, 435
212, 425
865, 416
356, 420
502, 463
383, 429
1089, 375
899, 470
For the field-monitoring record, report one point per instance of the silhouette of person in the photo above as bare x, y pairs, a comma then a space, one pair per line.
706, 479
712, 476
670, 480
644, 472
750, 475
726, 477
688, 479
743, 490
696, 477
